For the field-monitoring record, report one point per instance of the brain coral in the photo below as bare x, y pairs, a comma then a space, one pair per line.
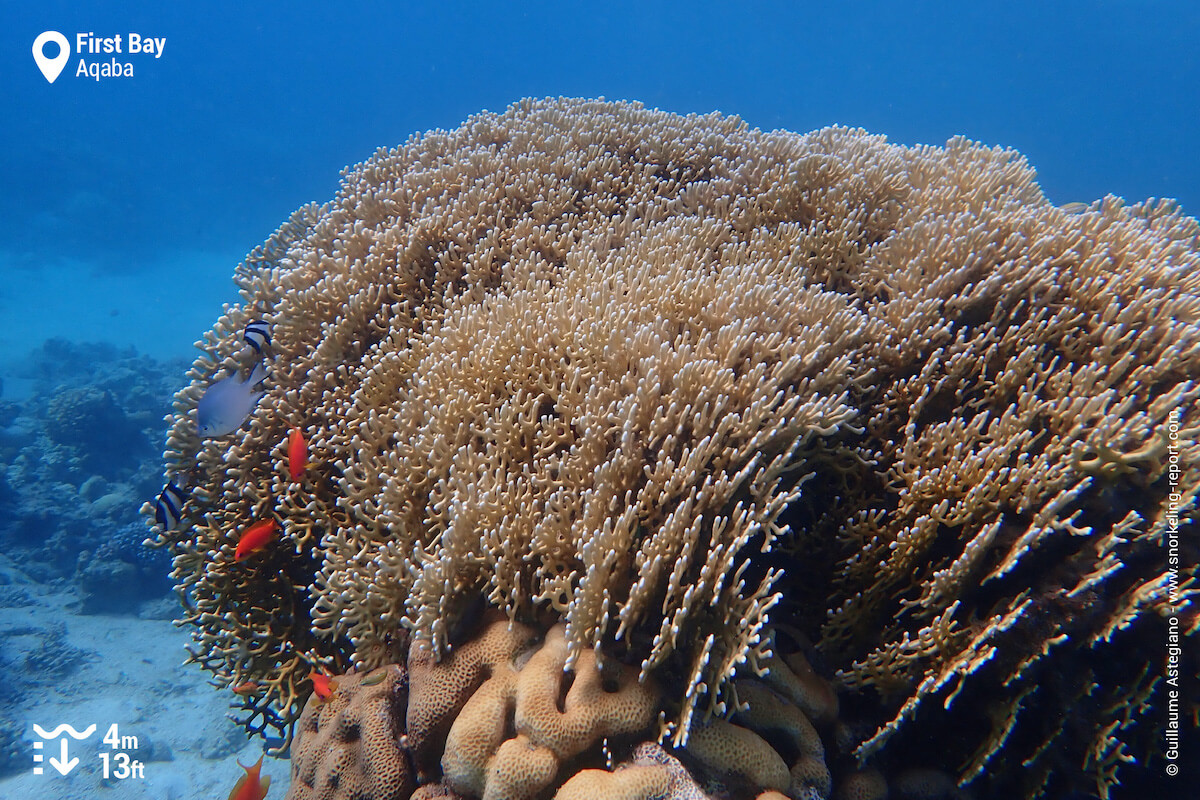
677, 384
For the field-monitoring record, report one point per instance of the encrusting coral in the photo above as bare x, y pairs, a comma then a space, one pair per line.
500, 718
347, 745
510, 738
650, 774
670, 387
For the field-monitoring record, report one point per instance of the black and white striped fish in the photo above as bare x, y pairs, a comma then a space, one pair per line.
168, 509
257, 334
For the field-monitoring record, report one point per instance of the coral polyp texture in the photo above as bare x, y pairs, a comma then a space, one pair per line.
348, 743
669, 393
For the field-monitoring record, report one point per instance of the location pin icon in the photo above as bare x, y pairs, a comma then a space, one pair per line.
51, 67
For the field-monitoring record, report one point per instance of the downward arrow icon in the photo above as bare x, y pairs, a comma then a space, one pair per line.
62, 764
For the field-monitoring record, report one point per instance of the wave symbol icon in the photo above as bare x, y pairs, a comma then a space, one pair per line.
42, 732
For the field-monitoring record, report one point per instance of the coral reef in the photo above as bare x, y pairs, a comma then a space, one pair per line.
74, 470
53, 656
676, 389
121, 573
512, 736
503, 717
347, 745
84, 413
651, 773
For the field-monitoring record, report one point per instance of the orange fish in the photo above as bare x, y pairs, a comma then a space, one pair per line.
297, 454
323, 684
254, 539
246, 689
250, 786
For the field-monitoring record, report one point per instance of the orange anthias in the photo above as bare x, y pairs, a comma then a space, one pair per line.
297, 454
250, 786
254, 539
322, 684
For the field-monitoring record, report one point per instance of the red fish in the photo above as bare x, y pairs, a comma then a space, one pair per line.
254, 539
297, 454
246, 689
250, 786
323, 684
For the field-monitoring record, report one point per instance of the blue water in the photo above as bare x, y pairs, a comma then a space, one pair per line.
128, 201
125, 203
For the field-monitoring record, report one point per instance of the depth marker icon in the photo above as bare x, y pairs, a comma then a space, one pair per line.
65, 762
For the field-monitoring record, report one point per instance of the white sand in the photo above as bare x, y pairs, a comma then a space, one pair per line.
135, 680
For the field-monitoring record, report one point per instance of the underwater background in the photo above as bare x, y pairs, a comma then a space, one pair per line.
128, 200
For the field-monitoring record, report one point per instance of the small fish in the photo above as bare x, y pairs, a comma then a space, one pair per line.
251, 786
168, 509
254, 538
226, 404
245, 689
297, 454
1074, 208
375, 679
258, 335
323, 684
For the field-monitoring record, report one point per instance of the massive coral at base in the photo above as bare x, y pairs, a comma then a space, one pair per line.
675, 389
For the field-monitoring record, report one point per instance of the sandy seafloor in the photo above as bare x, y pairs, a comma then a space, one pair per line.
130, 673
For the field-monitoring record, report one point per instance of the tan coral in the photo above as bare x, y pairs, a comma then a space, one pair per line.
435, 791
438, 690
478, 732
683, 784
421, 382
789, 728
519, 770
664, 379
867, 784
556, 713
793, 677
729, 749
635, 782
570, 711
347, 747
